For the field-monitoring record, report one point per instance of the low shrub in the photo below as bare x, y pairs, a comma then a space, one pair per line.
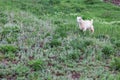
115, 64
88, 42
21, 69
3, 18
2, 56
10, 56
55, 43
11, 39
80, 44
91, 1
61, 31
10, 34
117, 43
37, 64
108, 50
54, 2
34, 76
7, 30
8, 48
102, 37
74, 55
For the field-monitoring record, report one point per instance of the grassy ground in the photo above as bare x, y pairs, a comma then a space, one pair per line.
40, 40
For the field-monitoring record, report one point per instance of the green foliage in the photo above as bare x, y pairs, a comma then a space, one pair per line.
103, 37
117, 43
108, 50
21, 70
11, 39
88, 42
47, 29
73, 55
37, 64
12, 32
3, 18
108, 15
61, 30
57, 22
20, 78
10, 56
1, 56
4, 72
7, 30
91, 1
52, 2
8, 48
55, 43
113, 40
34, 76
115, 63
77, 44
81, 44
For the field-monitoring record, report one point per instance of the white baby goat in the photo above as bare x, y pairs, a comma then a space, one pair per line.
85, 24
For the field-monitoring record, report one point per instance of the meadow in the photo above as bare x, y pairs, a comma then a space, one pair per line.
40, 40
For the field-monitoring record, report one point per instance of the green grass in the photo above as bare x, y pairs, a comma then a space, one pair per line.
39, 42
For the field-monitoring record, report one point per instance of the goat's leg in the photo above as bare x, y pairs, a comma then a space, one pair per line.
92, 29
84, 29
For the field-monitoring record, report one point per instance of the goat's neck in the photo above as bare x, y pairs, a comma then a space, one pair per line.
81, 24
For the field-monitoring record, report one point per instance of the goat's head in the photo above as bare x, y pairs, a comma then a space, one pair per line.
79, 19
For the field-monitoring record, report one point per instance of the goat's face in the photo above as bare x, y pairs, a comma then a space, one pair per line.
79, 19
